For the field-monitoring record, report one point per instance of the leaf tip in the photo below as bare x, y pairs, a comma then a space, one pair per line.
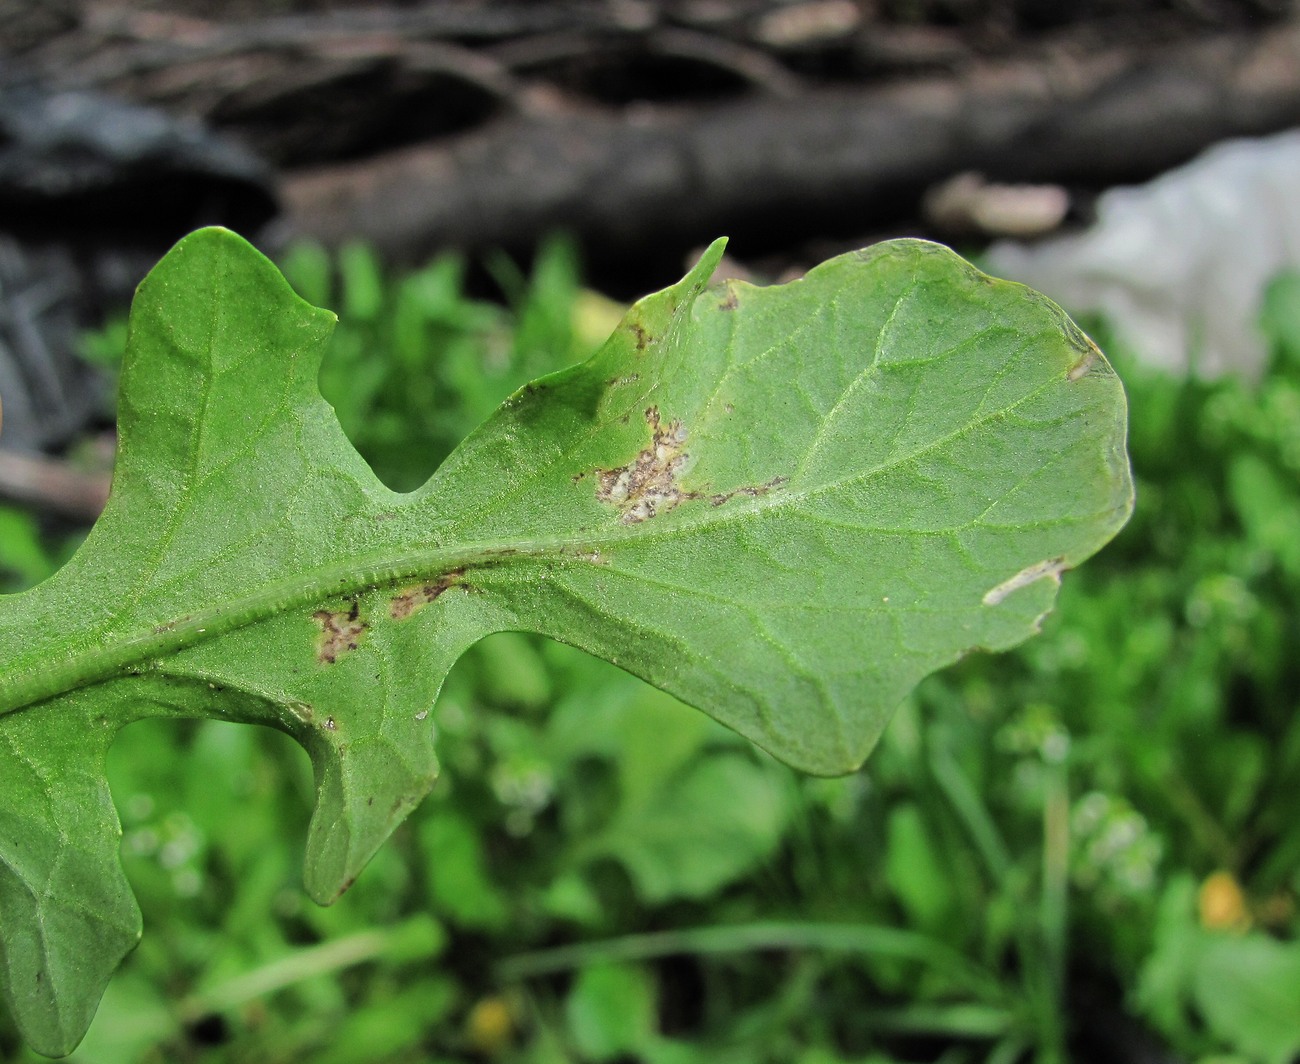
217, 244
211, 236
698, 275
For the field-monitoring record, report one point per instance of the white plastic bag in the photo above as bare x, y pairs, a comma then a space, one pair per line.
1179, 265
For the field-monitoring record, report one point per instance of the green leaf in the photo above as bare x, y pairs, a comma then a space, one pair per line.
459, 883
688, 819
705, 829
611, 1010
22, 553
1249, 992
784, 506
914, 870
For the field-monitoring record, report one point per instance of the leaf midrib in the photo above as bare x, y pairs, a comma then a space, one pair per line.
168, 637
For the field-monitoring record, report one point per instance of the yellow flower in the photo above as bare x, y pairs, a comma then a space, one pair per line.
490, 1026
1222, 903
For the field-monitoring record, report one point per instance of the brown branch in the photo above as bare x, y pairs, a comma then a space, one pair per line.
675, 172
52, 485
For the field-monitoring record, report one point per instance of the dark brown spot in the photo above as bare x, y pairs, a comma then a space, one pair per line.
731, 302
339, 632
643, 338
406, 602
753, 492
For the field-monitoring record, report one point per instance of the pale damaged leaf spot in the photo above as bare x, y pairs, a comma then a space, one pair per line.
1089, 359
1051, 568
648, 484
340, 631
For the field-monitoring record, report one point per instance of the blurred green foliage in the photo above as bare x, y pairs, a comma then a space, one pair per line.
25, 556
416, 363
1080, 850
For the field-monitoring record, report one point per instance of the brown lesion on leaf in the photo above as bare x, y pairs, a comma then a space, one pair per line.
1088, 359
410, 599
340, 631
753, 491
649, 484
643, 337
732, 301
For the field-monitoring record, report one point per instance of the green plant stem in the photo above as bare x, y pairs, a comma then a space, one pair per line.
417, 937
748, 938
1007, 1051
1054, 914
1042, 949
967, 804
952, 1021
1207, 831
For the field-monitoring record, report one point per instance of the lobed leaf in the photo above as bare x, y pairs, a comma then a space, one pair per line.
784, 505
